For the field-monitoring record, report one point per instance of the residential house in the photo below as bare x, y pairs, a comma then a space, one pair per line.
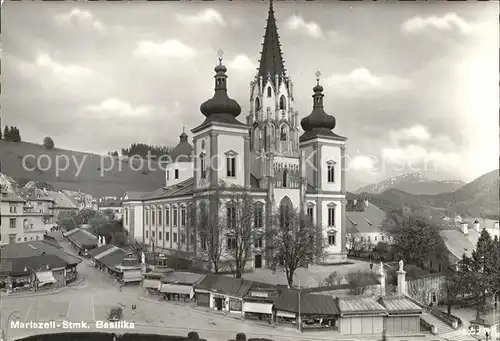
38, 203
36, 265
366, 225
488, 323
111, 205
81, 200
61, 204
179, 285
129, 270
18, 224
222, 293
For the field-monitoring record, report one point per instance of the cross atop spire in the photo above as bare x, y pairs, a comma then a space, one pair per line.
271, 59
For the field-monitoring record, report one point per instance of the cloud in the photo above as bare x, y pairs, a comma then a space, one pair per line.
297, 23
362, 81
417, 132
117, 107
419, 159
170, 49
361, 163
207, 16
242, 62
79, 16
447, 22
45, 61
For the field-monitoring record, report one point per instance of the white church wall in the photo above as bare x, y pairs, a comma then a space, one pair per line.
330, 152
229, 144
338, 223
293, 194
185, 171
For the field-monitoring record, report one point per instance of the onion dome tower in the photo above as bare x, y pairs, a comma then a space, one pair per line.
318, 123
183, 151
220, 108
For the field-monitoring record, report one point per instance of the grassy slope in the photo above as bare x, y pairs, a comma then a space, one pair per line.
94, 178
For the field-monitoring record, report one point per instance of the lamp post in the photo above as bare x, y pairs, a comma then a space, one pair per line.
299, 320
3, 336
27, 268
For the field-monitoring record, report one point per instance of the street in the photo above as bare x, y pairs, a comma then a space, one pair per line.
92, 299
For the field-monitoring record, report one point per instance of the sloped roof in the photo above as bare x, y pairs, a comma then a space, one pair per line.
458, 243
358, 304
225, 285
113, 258
370, 220
6, 197
181, 189
98, 250
399, 304
35, 194
61, 200
182, 278
82, 238
134, 196
309, 304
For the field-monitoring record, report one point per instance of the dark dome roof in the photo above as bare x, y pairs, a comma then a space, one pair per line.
220, 107
318, 120
182, 152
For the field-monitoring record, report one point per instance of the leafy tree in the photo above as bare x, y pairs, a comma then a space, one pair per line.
119, 239
333, 279
382, 249
295, 240
85, 215
48, 143
14, 134
109, 214
358, 281
416, 239
6, 134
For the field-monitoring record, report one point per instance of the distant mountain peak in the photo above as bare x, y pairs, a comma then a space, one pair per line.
413, 183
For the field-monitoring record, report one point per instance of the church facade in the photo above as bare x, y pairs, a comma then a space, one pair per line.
268, 156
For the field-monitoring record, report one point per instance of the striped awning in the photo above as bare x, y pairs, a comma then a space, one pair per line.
151, 284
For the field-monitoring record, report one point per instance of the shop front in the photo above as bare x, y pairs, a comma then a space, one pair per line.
174, 292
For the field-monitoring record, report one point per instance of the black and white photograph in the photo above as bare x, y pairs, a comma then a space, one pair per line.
250, 170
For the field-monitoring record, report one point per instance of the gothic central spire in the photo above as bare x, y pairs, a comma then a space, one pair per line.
271, 60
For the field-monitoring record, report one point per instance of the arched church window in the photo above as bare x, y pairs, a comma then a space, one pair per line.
285, 209
269, 92
285, 178
282, 103
257, 106
283, 133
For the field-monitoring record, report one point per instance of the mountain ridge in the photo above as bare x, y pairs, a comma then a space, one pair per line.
413, 183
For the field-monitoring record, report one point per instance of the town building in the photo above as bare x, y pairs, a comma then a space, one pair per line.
81, 200
107, 206
367, 225
266, 156
18, 222
36, 265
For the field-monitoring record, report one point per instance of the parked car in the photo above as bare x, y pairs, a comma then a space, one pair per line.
115, 314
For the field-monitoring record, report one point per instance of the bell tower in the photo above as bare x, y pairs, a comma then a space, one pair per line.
273, 120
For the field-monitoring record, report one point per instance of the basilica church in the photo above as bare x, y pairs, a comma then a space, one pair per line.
268, 155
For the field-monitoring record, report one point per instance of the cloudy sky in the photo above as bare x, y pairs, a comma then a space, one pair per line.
410, 84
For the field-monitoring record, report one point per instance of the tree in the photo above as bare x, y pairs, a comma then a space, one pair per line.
85, 215
240, 228
211, 230
48, 143
355, 244
1, 136
109, 214
382, 248
295, 240
332, 279
416, 239
454, 284
6, 134
119, 239
14, 134
358, 281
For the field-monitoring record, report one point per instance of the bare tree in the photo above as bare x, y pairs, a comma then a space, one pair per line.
240, 228
358, 281
355, 244
296, 242
333, 279
211, 230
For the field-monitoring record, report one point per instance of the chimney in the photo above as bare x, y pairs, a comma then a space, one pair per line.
477, 226
465, 228
366, 202
401, 279
382, 279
